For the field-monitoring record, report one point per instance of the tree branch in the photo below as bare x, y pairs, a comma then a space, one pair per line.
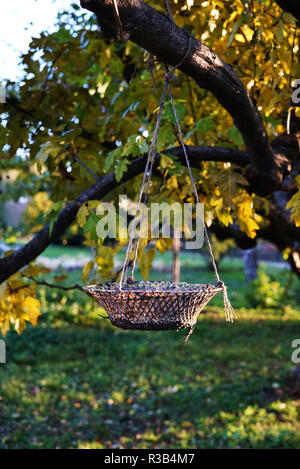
207, 153
103, 186
50, 285
277, 230
291, 6
155, 32
84, 166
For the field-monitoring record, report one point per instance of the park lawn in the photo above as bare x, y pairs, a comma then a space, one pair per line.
55, 251
77, 382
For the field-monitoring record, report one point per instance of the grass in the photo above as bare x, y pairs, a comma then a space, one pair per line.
77, 382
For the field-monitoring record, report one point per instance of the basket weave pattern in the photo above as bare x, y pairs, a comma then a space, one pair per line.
153, 305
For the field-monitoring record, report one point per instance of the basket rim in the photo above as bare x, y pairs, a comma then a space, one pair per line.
153, 287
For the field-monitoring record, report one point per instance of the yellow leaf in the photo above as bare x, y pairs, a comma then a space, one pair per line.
87, 270
223, 213
90, 243
166, 161
82, 215
60, 278
161, 246
20, 325
145, 263
4, 327
245, 215
31, 306
248, 32
172, 183
240, 38
294, 205
169, 243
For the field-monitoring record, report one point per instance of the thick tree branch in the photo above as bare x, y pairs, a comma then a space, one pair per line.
23, 256
277, 230
154, 32
206, 153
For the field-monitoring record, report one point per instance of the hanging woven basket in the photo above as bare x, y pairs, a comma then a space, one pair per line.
157, 305
153, 305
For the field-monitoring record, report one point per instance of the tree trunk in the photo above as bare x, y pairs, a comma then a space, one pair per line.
250, 263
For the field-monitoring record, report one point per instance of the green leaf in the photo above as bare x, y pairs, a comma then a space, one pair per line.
235, 136
55, 207
52, 214
168, 113
271, 120
90, 226
202, 126
51, 225
3, 287
235, 29
120, 170
111, 157
63, 35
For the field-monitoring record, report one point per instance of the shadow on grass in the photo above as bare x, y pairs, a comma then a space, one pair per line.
89, 387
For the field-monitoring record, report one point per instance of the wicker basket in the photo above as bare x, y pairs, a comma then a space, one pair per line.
153, 305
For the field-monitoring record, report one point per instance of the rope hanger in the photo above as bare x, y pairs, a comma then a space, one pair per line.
229, 311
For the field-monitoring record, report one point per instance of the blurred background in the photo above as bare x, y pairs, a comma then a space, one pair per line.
74, 380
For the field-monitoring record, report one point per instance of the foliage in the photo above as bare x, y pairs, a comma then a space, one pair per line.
18, 302
265, 292
87, 96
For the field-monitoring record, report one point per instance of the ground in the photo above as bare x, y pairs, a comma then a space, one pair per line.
77, 382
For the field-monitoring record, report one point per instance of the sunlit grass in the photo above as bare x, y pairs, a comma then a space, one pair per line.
75, 381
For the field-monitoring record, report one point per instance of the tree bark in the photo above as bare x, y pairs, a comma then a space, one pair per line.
279, 231
250, 263
291, 6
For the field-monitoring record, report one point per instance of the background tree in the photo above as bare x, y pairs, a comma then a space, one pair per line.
76, 130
